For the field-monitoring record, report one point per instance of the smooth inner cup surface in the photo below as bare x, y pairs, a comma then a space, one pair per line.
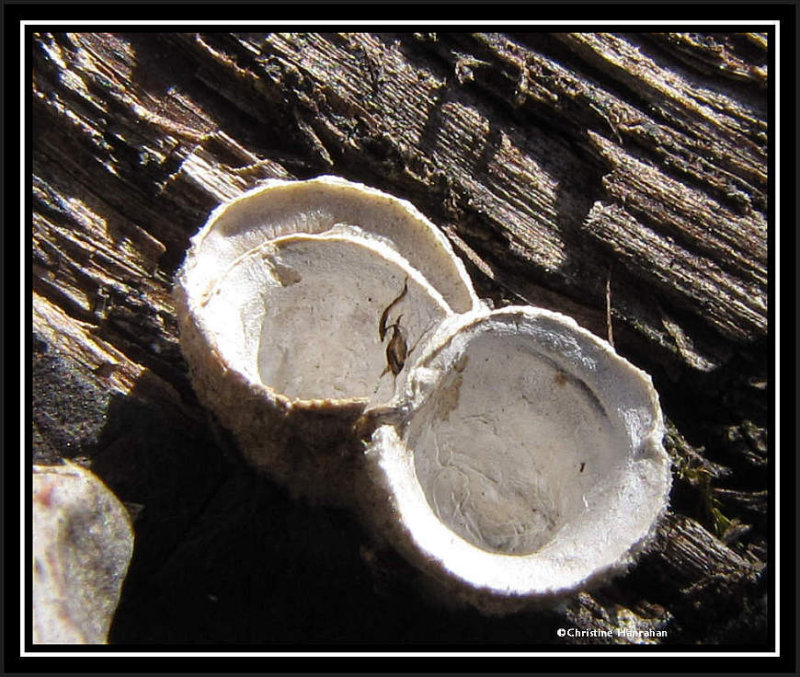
510, 447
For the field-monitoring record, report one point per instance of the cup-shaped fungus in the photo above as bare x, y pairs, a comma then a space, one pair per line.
510, 453
299, 303
525, 460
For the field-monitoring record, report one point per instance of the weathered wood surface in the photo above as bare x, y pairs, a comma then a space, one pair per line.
561, 166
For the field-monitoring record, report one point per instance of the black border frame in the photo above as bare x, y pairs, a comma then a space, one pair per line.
785, 12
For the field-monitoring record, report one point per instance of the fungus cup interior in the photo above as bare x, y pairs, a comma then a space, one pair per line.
530, 438
301, 314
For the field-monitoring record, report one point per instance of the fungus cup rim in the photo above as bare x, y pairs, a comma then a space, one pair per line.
437, 548
188, 291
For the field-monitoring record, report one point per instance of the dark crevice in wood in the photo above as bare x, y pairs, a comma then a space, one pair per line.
734, 152
716, 57
749, 94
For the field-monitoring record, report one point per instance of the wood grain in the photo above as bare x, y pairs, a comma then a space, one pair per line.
560, 166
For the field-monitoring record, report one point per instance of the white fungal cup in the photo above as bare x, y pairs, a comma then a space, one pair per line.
290, 300
527, 461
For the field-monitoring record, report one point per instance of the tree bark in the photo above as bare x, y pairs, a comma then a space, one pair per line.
621, 179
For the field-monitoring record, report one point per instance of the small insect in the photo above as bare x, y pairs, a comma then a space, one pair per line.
396, 349
382, 328
583, 465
